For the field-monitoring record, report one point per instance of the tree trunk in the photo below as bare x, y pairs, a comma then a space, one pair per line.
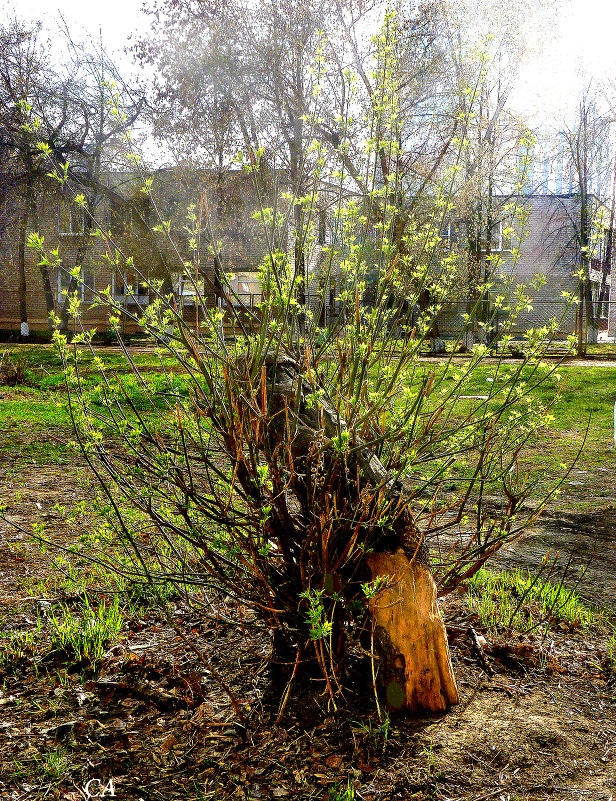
415, 668
470, 335
592, 323
23, 287
26, 220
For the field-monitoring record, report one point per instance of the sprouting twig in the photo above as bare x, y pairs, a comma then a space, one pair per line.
376, 695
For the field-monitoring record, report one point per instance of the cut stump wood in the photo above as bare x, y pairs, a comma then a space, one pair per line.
415, 667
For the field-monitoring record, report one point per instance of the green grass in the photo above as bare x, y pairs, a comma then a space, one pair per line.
34, 413
610, 660
582, 391
34, 419
515, 600
85, 633
602, 350
341, 792
88, 633
16, 645
585, 392
55, 764
583, 424
581, 400
31, 407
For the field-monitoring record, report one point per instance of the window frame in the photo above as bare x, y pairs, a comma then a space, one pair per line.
74, 213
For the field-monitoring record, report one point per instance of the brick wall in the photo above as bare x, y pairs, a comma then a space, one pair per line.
547, 246
227, 205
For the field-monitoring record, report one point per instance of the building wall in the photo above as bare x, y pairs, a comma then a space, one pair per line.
50, 215
546, 241
547, 247
224, 207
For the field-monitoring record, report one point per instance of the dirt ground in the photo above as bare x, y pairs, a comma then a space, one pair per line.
584, 550
536, 721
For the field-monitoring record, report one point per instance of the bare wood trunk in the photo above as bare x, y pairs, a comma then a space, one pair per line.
415, 668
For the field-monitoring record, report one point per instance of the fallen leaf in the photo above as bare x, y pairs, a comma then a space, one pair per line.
169, 743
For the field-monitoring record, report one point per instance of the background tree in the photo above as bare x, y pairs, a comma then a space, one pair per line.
64, 113
21, 164
486, 47
247, 74
588, 168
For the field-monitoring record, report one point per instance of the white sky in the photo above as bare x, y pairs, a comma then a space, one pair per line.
578, 47
117, 19
581, 42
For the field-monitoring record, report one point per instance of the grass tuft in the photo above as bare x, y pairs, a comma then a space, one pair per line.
516, 600
89, 634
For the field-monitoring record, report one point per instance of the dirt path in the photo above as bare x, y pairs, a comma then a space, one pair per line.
583, 548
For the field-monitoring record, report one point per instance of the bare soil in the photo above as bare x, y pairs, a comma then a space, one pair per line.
152, 718
583, 548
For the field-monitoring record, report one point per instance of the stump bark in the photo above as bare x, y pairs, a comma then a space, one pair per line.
415, 668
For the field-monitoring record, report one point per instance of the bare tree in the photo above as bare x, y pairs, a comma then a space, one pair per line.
485, 50
21, 162
587, 145
64, 116
272, 79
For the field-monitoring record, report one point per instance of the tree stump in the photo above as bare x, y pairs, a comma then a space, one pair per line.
415, 667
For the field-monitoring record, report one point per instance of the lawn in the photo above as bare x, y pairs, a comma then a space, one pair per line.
35, 422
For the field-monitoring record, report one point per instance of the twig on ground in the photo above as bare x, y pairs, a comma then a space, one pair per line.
478, 651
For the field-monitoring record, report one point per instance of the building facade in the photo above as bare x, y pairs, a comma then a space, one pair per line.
535, 240
122, 237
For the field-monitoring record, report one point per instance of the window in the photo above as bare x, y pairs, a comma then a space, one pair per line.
87, 285
501, 236
84, 287
71, 221
246, 289
64, 281
130, 287
451, 234
600, 245
187, 289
